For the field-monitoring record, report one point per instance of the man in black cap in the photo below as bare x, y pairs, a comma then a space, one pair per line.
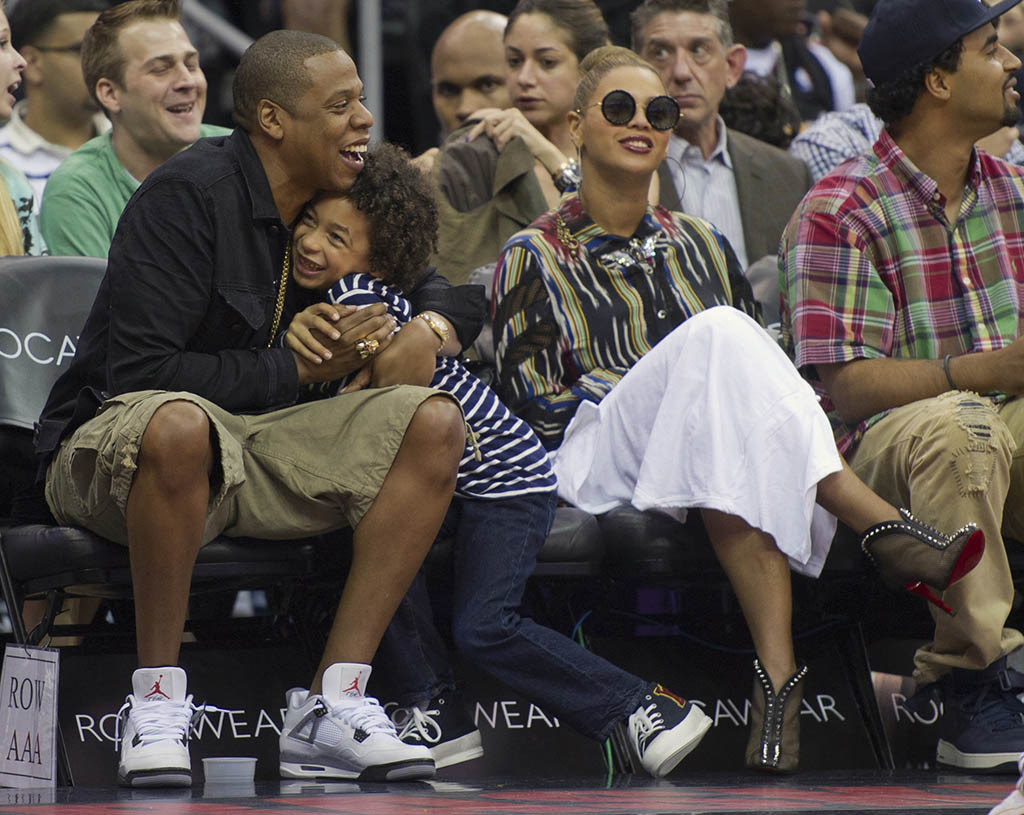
903, 283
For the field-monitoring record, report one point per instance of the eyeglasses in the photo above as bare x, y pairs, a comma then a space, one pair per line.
619, 107
74, 48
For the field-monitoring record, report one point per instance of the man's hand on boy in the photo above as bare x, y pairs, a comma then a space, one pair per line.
410, 359
324, 338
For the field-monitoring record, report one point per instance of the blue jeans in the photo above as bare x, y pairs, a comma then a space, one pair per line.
496, 545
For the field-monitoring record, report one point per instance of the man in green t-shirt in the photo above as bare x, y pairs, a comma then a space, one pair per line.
143, 71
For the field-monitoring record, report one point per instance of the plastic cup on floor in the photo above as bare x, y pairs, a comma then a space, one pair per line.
229, 770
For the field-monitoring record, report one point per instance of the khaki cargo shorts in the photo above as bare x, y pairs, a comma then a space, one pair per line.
292, 473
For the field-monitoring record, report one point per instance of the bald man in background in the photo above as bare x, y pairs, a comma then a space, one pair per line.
467, 72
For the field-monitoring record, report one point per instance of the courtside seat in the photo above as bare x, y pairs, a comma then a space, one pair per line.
653, 545
44, 304
41, 559
653, 548
574, 547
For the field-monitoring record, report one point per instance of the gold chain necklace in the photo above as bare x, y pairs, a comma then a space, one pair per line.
286, 272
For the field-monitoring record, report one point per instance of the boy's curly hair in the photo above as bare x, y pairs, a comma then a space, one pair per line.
399, 206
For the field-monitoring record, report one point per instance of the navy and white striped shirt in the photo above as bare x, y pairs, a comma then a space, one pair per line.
503, 458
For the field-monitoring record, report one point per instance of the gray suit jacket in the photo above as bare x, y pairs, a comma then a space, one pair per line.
769, 183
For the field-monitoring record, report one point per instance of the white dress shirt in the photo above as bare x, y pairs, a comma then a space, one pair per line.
707, 189
37, 158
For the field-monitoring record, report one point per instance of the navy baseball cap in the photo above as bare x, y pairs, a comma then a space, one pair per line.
904, 33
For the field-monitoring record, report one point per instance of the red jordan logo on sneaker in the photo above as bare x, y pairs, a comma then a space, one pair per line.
354, 687
155, 690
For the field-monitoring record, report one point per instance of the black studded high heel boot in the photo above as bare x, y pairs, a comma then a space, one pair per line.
774, 743
919, 558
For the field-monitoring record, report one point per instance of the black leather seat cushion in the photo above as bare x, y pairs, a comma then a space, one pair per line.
652, 544
41, 557
574, 546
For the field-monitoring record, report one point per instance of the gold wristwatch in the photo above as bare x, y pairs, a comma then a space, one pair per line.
437, 326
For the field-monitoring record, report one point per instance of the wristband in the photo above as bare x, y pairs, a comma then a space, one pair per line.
945, 370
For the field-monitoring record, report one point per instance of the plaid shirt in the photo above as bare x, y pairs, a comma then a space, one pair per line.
569, 324
834, 137
872, 268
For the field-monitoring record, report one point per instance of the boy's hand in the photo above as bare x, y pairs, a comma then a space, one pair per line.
321, 317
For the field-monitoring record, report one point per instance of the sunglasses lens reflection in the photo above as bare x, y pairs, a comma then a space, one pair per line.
663, 112
618, 108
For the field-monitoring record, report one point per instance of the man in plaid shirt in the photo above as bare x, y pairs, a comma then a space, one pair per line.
903, 283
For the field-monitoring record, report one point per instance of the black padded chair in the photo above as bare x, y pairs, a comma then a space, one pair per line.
40, 317
574, 548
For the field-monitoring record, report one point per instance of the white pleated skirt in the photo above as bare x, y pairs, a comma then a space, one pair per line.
715, 416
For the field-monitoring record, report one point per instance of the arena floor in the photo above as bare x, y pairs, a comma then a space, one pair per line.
735, 794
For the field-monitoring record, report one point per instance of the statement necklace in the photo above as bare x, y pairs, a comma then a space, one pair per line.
638, 251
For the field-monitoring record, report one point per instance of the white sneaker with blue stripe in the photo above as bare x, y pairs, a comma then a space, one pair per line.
342, 733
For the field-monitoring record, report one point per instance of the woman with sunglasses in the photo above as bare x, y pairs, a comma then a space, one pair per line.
506, 167
625, 337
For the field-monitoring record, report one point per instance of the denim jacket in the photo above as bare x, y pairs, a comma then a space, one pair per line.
187, 303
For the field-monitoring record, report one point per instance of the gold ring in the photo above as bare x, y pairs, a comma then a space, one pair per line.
367, 347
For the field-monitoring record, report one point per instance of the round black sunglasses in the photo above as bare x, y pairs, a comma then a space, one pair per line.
619, 107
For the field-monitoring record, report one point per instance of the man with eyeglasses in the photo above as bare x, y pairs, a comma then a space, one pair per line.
57, 115
743, 186
143, 71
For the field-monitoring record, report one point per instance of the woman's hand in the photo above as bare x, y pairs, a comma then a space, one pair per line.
504, 125
424, 162
1000, 142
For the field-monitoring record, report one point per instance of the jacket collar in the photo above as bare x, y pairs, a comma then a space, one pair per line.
263, 206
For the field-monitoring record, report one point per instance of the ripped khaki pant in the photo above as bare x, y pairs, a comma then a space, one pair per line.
954, 459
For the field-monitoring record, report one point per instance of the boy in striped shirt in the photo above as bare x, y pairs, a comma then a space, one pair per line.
370, 246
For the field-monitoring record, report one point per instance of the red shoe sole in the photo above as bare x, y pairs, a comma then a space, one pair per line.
969, 557
925, 591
